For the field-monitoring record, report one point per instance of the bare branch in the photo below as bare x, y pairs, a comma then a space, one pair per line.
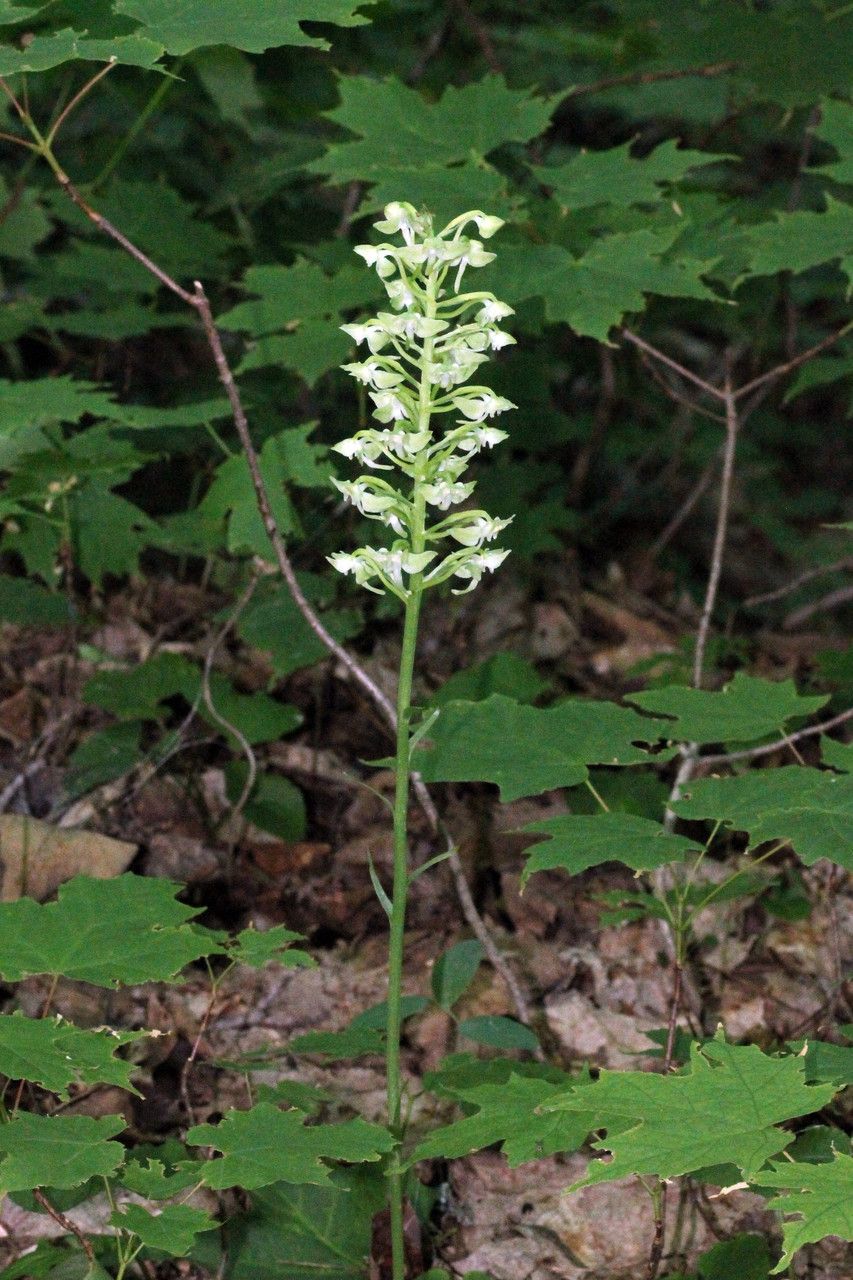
755, 753
709, 72
78, 98
66, 1223
480, 32
680, 369
801, 579
834, 600
790, 365
720, 533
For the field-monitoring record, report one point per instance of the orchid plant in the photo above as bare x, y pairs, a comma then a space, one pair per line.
420, 358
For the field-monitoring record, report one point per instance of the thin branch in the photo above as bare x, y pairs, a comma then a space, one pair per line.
709, 72
755, 753
680, 369
674, 394
104, 224
720, 533
66, 1223
790, 365
685, 509
834, 600
809, 575
78, 97
19, 142
480, 32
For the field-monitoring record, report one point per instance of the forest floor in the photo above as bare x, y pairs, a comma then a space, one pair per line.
596, 990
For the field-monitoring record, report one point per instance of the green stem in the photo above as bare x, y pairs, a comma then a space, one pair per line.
400, 887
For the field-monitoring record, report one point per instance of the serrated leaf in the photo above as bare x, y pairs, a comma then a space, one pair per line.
509, 1113
171, 1230
351, 1042
40, 400
578, 841
498, 1032
304, 307
57, 1151
103, 756
304, 1233
615, 177
811, 808
256, 949
277, 627
748, 708
798, 241
46, 51
454, 971
84, 934
152, 1181
505, 673
407, 143
251, 25
28, 604
821, 1195
837, 754
398, 127
836, 127
744, 1256
525, 750
730, 1098
595, 292
265, 1145
55, 1054
93, 510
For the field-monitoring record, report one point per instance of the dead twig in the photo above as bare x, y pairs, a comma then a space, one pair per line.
66, 1223
755, 753
767, 597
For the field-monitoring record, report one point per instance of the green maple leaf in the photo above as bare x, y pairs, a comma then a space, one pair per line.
265, 1145
55, 1054
84, 935
252, 25
836, 128
408, 145
525, 750
804, 239
811, 808
47, 51
295, 317
730, 1099
509, 1113
594, 292
172, 1229
821, 1195
256, 949
578, 841
748, 708
41, 400
57, 1151
615, 177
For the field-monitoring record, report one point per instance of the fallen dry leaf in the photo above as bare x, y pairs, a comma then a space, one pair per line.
35, 858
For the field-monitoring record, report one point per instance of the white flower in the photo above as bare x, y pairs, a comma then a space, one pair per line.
365, 370
389, 406
364, 447
373, 333
400, 294
345, 563
395, 562
487, 223
482, 405
492, 310
403, 217
475, 565
481, 438
366, 499
382, 257
441, 494
498, 339
483, 529
405, 444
